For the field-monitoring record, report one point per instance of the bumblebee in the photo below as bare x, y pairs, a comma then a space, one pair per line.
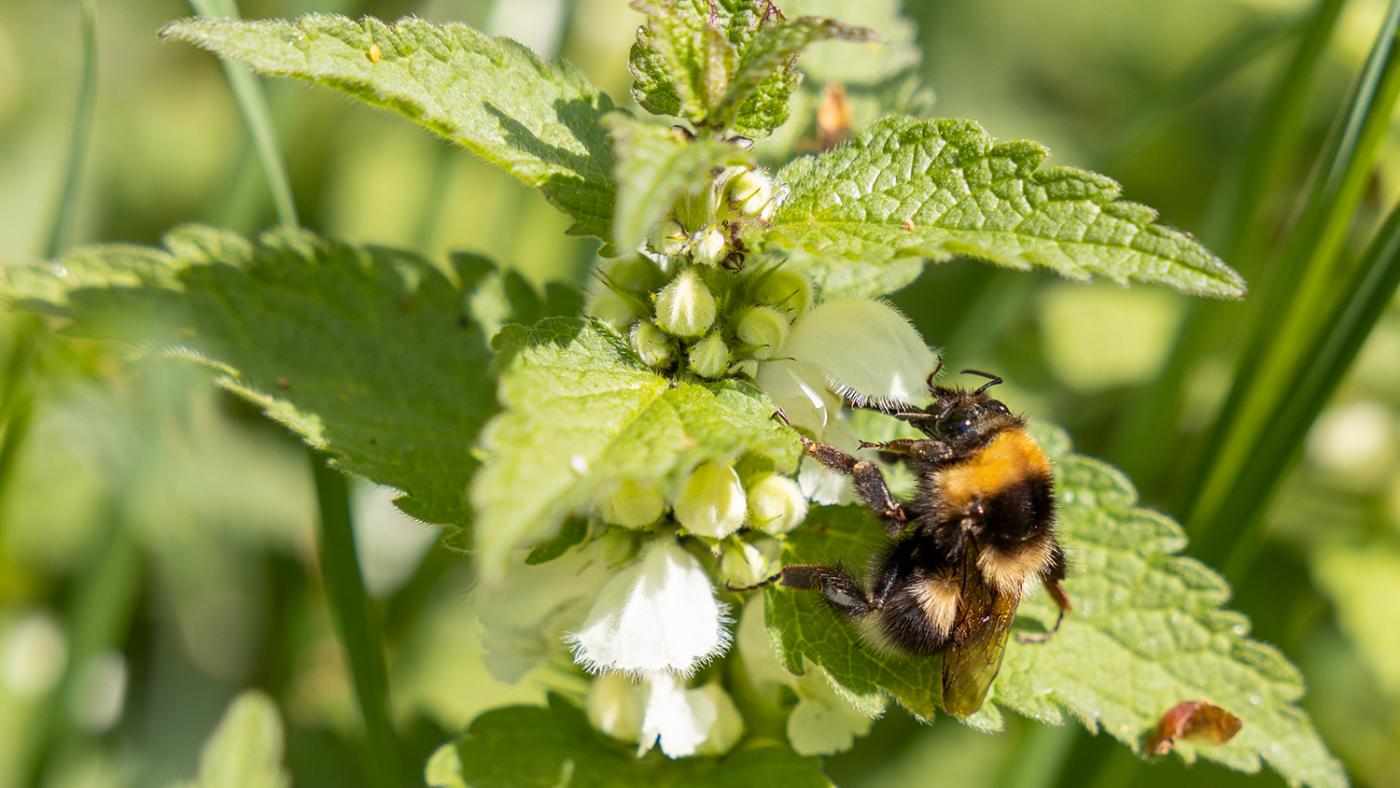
979, 529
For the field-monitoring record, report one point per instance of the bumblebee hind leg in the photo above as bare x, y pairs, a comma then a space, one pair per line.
1051, 579
838, 588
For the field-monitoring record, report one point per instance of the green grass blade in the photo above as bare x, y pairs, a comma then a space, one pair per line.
1273, 142
1303, 286
252, 103
1371, 289
65, 215
358, 632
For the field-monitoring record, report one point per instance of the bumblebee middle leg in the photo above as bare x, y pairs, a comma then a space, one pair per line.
869, 482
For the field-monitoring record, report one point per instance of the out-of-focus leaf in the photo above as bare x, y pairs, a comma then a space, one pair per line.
367, 353
245, 751
538, 120
556, 746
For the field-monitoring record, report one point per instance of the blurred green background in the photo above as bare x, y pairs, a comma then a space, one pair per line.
156, 547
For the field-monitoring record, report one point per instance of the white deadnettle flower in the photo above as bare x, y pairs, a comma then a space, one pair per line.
685, 722
711, 501
615, 706
657, 614
857, 348
660, 709
529, 612
850, 348
822, 722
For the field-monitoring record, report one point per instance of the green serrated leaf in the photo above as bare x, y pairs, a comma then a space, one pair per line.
724, 64
801, 625
655, 167
907, 188
540, 121
367, 353
856, 281
1147, 632
555, 746
245, 750
582, 414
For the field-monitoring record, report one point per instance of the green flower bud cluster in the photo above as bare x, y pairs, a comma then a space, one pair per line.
716, 503
693, 320
702, 225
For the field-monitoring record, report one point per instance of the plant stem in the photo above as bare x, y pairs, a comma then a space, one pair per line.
252, 103
65, 216
350, 610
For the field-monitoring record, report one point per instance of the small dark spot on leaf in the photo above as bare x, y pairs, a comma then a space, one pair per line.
406, 303
284, 384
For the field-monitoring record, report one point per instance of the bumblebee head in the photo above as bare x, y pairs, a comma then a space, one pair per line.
960, 416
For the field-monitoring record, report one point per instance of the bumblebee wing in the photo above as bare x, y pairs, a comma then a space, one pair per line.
979, 635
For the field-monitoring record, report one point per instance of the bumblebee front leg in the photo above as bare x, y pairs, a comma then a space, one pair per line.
869, 482
922, 449
838, 588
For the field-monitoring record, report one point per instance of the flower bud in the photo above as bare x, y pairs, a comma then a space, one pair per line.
765, 328
742, 564
611, 308
751, 194
633, 505
728, 725
787, 291
709, 358
711, 502
697, 209
668, 238
615, 706
633, 274
613, 548
685, 307
776, 504
709, 246
744, 368
652, 345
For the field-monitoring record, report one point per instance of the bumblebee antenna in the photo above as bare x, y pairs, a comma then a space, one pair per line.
992, 380
929, 380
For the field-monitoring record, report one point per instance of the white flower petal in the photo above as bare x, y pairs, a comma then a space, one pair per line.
657, 614
616, 705
823, 723
688, 722
822, 484
866, 349
797, 389
529, 612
